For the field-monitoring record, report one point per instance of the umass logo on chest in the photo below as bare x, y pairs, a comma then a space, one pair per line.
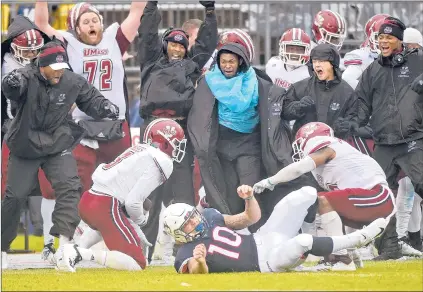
95, 52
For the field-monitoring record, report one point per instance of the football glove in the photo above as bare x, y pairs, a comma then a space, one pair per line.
259, 187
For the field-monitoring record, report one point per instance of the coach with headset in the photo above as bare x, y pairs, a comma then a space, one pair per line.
385, 94
169, 73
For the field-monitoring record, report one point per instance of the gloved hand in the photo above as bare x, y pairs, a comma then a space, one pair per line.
259, 187
343, 127
207, 4
13, 79
417, 84
111, 110
306, 103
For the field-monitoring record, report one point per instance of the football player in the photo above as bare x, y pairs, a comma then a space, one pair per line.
331, 28
294, 53
210, 244
355, 184
96, 53
357, 60
115, 208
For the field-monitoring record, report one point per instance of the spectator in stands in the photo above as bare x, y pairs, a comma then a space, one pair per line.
236, 130
191, 27
169, 73
41, 135
324, 96
384, 94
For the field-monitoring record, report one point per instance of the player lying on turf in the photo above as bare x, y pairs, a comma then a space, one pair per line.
209, 243
114, 208
356, 185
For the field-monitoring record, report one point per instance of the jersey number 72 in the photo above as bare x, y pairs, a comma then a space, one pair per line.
106, 70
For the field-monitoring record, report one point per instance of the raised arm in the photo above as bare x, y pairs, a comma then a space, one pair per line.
207, 38
149, 44
252, 212
131, 23
41, 20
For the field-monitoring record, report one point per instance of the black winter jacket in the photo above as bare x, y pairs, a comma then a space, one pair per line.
170, 85
385, 98
333, 99
203, 128
19, 25
41, 126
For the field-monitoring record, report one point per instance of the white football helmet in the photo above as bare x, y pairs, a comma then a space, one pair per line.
175, 218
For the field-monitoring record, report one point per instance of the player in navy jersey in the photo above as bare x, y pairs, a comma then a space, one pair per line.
210, 244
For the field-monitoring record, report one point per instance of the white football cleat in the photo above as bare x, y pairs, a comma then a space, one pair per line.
4, 264
335, 263
372, 231
408, 250
71, 256
48, 254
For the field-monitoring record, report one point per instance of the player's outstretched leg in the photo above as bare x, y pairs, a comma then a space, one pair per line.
291, 254
73, 254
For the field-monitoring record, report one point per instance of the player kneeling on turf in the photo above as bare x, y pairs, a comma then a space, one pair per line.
115, 206
209, 243
355, 184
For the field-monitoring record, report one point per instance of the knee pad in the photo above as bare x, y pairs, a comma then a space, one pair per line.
305, 240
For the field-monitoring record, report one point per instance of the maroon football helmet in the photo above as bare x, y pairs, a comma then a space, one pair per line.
26, 46
168, 136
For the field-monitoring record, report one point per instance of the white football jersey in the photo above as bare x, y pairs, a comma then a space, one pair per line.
9, 64
101, 65
355, 63
284, 75
349, 169
133, 175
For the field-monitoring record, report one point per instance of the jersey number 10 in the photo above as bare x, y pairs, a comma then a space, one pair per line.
227, 241
106, 69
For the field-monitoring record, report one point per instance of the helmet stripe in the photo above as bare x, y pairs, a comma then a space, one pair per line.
247, 40
341, 22
29, 38
148, 129
34, 37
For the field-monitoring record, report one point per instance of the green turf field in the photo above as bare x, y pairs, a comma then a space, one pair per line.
386, 276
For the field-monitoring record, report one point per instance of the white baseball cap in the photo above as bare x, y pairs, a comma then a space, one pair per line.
413, 36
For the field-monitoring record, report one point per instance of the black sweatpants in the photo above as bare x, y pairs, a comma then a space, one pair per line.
407, 157
61, 171
244, 170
